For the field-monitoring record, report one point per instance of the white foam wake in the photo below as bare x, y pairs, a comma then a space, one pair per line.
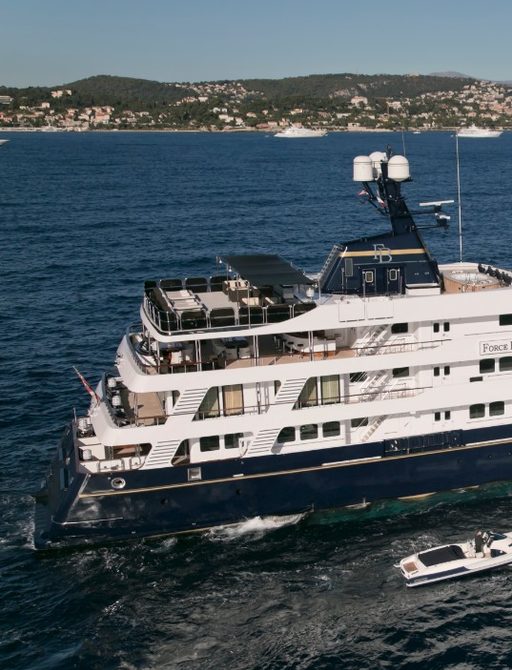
255, 526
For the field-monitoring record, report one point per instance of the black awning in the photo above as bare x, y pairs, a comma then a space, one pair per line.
266, 270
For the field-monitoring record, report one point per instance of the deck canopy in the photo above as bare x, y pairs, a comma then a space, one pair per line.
266, 270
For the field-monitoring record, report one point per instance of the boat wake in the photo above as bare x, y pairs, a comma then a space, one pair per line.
256, 526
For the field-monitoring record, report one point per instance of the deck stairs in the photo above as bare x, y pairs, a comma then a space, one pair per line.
290, 391
329, 262
263, 442
377, 421
371, 341
161, 454
374, 385
189, 401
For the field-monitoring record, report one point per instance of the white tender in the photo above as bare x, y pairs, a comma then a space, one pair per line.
485, 551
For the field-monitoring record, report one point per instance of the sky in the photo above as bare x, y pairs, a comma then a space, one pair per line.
50, 42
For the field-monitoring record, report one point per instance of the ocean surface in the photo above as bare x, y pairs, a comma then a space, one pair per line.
84, 220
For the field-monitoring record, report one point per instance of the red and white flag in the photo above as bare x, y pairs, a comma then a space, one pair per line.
87, 386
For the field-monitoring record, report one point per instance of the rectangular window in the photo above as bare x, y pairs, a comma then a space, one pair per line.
331, 429
476, 379
232, 441
400, 372
447, 415
286, 435
355, 377
437, 416
400, 328
233, 399
392, 274
446, 326
309, 432
368, 276
436, 327
356, 423
194, 474
309, 395
209, 406
209, 443
497, 408
446, 370
349, 267
487, 365
330, 387
277, 386
505, 364
436, 372
477, 411
505, 319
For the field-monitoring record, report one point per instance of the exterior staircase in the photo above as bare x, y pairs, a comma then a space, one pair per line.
377, 421
329, 262
189, 401
161, 454
290, 391
263, 442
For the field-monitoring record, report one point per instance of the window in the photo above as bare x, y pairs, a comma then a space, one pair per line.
194, 474
277, 386
400, 372
309, 432
400, 328
392, 274
487, 365
357, 377
209, 443
446, 370
368, 276
506, 364
477, 411
232, 441
447, 415
476, 379
349, 267
436, 372
233, 399
209, 406
309, 395
446, 326
437, 416
330, 387
505, 319
286, 435
497, 408
356, 423
436, 327
331, 429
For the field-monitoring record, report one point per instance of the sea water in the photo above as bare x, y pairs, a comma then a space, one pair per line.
85, 219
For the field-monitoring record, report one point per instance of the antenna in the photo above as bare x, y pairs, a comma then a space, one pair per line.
458, 194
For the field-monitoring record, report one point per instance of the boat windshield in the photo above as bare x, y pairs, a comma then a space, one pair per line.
446, 554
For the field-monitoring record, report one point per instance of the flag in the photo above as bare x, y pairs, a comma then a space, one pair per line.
87, 386
363, 192
380, 201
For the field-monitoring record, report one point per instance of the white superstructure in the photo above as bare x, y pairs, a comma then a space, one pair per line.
299, 132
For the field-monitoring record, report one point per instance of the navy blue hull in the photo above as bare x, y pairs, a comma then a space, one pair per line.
162, 501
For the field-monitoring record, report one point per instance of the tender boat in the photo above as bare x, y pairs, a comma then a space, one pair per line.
487, 550
478, 133
299, 132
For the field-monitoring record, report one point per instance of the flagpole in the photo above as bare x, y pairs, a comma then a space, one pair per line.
458, 194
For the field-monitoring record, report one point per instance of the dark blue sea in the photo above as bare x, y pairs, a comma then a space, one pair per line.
85, 219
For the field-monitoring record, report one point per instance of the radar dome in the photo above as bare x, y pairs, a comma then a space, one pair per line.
398, 168
377, 157
363, 170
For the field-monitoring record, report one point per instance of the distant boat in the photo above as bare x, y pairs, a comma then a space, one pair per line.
3, 142
416, 132
298, 132
474, 131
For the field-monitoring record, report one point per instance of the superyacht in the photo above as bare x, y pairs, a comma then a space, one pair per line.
263, 390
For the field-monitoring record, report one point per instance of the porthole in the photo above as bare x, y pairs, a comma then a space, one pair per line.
118, 483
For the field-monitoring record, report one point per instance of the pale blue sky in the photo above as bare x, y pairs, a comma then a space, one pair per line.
48, 42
